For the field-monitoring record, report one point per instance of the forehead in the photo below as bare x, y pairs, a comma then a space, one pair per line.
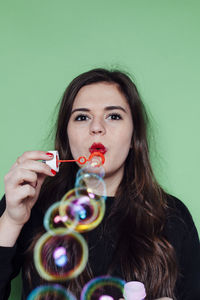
100, 94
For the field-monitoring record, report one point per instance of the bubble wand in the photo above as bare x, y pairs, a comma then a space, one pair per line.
55, 162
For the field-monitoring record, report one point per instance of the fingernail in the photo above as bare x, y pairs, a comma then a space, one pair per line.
53, 172
49, 154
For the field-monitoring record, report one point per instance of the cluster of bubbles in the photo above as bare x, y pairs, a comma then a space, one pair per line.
62, 252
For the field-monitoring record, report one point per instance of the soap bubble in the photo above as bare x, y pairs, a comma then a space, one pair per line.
61, 256
90, 167
92, 182
48, 292
88, 208
53, 220
95, 164
103, 288
83, 190
83, 206
96, 159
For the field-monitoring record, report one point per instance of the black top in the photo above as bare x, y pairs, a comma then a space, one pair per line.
180, 231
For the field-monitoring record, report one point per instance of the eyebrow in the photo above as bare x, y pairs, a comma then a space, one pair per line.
107, 108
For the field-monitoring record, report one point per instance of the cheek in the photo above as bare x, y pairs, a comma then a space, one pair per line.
72, 138
124, 144
125, 137
75, 133
76, 142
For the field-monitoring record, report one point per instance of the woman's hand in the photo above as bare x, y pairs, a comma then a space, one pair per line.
22, 185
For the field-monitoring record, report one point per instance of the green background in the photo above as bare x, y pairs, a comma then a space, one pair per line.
44, 44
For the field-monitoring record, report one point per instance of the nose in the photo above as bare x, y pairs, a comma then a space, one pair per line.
97, 127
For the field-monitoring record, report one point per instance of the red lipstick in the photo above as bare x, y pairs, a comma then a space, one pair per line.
98, 147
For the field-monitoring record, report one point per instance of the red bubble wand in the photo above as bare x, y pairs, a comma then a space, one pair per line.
55, 162
82, 159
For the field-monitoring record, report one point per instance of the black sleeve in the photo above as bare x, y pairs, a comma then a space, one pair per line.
9, 263
190, 257
187, 246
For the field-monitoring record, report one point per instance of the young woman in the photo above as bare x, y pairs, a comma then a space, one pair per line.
146, 234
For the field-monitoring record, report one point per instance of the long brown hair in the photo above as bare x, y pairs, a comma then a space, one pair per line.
140, 203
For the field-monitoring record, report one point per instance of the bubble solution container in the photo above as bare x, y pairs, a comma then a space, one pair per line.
134, 290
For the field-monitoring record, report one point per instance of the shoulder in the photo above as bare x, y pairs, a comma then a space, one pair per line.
179, 226
181, 232
177, 212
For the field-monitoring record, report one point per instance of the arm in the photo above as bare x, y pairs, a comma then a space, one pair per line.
184, 237
22, 187
191, 266
7, 255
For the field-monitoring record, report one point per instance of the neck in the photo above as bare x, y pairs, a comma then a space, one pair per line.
112, 182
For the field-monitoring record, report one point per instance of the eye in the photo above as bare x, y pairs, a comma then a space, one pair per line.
115, 116
81, 117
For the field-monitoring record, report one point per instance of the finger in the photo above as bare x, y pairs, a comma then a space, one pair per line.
37, 167
25, 191
29, 173
40, 180
34, 155
19, 177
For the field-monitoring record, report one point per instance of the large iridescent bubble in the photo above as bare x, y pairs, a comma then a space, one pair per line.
47, 292
60, 256
89, 207
103, 288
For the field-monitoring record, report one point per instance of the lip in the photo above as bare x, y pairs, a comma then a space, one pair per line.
98, 147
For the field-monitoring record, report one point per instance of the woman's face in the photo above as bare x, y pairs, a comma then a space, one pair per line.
101, 121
